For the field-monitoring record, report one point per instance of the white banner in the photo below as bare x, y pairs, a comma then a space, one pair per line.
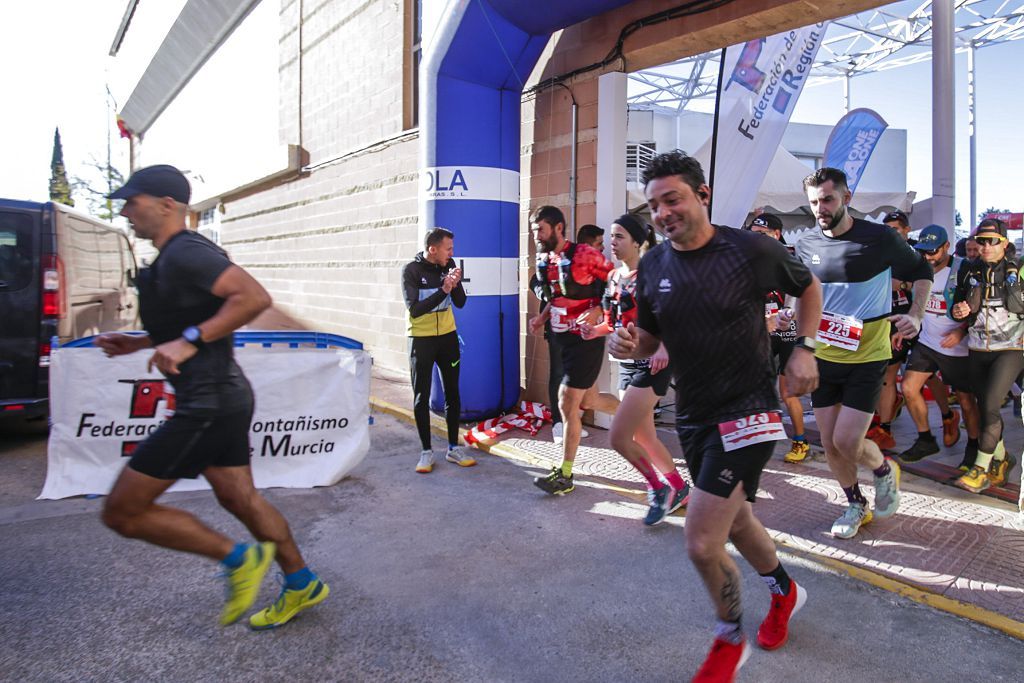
471, 182
310, 427
762, 82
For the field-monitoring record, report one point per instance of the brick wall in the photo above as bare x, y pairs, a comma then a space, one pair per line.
329, 246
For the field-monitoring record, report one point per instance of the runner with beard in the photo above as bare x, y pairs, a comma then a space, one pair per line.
574, 278
701, 293
856, 262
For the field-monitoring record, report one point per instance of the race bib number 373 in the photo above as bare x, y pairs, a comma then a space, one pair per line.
752, 429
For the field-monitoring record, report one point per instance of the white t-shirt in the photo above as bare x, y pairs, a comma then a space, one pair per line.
936, 322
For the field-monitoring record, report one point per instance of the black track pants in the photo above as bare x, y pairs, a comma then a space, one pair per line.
424, 353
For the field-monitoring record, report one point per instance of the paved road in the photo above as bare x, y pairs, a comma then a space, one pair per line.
461, 575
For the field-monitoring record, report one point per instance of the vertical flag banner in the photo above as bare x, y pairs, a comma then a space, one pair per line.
761, 83
852, 141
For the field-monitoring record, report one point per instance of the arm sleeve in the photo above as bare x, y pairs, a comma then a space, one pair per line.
411, 293
645, 317
907, 263
775, 269
198, 264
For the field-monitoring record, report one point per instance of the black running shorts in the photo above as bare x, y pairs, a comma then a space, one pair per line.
900, 355
955, 370
854, 385
184, 446
639, 375
716, 471
581, 360
781, 351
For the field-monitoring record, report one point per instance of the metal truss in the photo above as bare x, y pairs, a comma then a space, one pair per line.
885, 38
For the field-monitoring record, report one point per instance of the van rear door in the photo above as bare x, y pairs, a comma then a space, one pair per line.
19, 305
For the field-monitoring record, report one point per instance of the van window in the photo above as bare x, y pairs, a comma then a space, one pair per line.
15, 251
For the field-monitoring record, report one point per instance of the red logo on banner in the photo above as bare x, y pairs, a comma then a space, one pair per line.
146, 397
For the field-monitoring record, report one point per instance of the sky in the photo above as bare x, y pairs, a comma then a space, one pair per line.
57, 71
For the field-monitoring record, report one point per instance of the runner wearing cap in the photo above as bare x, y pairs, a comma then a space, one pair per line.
191, 300
641, 382
890, 401
941, 348
783, 342
574, 277
855, 261
701, 294
988, 298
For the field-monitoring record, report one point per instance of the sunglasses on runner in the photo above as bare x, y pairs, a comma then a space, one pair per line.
931, 252
988, 241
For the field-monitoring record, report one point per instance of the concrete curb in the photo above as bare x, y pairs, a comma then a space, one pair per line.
980, 615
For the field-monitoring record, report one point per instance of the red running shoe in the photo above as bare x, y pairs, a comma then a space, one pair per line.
774, 631
724, 660
882, 438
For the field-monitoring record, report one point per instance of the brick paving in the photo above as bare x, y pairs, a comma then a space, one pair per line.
943, 540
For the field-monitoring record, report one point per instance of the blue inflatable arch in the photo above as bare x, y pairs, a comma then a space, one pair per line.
471, 86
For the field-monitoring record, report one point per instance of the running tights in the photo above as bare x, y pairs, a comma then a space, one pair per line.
992, 375
424, 353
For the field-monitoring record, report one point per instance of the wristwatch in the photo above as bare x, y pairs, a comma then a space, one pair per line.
807, 342
194, 336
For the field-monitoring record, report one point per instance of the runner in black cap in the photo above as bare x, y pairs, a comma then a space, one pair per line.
783, 342
192, 298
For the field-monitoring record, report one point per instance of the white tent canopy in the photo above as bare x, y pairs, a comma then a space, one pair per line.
782, 189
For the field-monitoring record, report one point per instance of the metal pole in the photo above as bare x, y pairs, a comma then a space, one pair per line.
846, 92
972, 128
943, 117
572, 170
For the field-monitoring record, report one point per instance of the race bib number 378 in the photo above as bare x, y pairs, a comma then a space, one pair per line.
752, 429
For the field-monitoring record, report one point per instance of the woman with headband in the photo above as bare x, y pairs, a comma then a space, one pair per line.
641, 382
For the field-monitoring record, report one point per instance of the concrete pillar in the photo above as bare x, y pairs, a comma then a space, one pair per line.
611, 185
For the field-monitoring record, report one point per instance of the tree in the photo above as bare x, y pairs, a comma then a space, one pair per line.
991, 209
102, 178
60, 188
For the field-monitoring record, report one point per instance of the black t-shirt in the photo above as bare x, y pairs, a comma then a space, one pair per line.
174, 293
707, 306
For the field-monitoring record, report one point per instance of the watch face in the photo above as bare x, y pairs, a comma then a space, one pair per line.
191, 334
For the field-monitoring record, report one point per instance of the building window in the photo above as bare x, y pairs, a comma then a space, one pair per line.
812, 161
413, 57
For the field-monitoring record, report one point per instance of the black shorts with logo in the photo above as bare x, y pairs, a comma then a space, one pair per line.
638, 374
581, 359
185, 445
716, 471
955, 370
855, 385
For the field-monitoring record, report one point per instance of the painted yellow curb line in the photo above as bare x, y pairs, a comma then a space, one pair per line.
910, 591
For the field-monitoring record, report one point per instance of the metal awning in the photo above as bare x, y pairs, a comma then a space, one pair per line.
198, 32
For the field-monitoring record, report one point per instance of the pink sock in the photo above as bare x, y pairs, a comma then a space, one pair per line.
675, 480
650, 474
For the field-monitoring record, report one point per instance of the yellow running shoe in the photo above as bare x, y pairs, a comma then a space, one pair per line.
799, 452
999, 471
976, 480
244, 582
288, 604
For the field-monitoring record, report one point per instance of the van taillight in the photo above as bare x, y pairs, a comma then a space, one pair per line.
44, 355
54, 297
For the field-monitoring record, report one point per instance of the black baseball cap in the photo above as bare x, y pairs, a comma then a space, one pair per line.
159, 181
991, 227
767, 220
896, 216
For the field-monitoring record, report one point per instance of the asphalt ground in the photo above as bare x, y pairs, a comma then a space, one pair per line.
459, 575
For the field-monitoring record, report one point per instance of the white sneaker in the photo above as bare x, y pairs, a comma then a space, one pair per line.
584, 433
856, 516
556, 433
459, 456
426, 463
